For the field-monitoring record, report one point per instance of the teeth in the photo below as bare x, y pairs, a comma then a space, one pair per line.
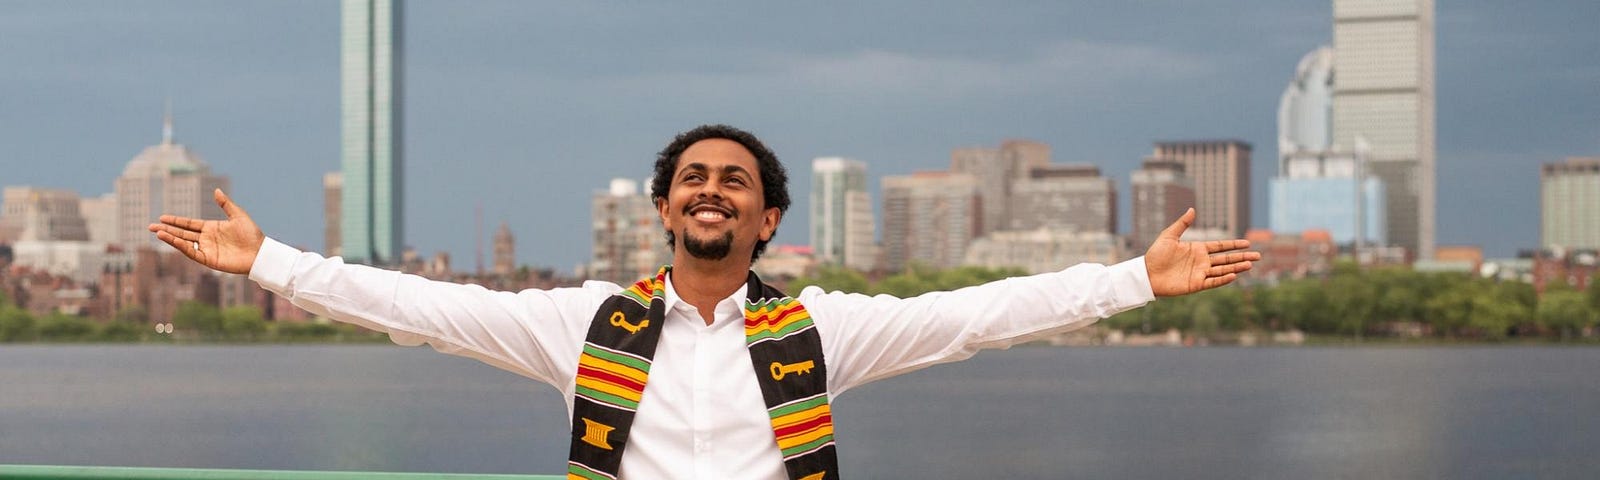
708, 215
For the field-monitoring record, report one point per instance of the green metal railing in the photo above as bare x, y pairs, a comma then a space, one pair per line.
52, 472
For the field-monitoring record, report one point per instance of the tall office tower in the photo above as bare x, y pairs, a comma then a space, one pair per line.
1220, 170
1073, 198
505, 251
841, 214
1161, 193
995, 171
1383, 96
41, 214
332, 207
372, 210
929, 218
1569, 203
629, 241
164, 178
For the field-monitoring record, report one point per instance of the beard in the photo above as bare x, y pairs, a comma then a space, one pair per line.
715, 248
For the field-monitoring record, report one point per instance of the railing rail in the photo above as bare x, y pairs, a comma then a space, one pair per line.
55, 472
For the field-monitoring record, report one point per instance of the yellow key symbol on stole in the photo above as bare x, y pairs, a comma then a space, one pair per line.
799, 368
619, 320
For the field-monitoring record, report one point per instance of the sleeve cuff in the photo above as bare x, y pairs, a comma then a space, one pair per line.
1130, 283
274, 265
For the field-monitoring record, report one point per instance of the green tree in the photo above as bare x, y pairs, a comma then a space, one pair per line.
1565, 312
16, 325
832, 278
197, 317
65, 328
115, 331
243, 322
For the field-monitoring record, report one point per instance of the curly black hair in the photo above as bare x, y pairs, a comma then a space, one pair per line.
774, 180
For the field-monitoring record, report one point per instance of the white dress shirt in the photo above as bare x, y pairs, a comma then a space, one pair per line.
702, 414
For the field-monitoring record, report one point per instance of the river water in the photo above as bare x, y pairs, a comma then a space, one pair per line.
1030, 412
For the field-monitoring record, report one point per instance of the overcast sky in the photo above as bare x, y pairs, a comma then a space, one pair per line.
526, 108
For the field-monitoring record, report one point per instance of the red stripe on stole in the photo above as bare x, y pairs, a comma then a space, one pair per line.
773, 318
611, 378
803, 427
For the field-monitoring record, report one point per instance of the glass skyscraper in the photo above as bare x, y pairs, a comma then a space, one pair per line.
372, 197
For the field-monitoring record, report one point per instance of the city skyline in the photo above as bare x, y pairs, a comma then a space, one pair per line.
506, 97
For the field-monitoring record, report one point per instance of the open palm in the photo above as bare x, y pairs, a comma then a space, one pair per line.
225, 245
1177, 267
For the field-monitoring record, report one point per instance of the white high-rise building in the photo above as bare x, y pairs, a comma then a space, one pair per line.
841, 214
167, 178
1384, 96
629, 241
1569, 204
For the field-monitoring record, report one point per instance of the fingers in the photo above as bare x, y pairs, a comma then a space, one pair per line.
1215, 246
182, 234
1234, 257
1229, 269
183, 222
1175, 231
233, 210
1214, 282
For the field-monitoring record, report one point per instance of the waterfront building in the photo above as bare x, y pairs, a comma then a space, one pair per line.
842, 227
1220, 170
1569, 204
1046, 249
1161, 193
1383, 107
505, 251
1320, 190
166, 178
332, 207
996, 170
629, 241
929, 218
1073, 198
372, 194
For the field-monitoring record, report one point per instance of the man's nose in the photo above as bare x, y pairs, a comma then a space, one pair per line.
711, 189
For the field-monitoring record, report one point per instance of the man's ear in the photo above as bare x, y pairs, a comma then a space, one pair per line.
661, 210
769, 222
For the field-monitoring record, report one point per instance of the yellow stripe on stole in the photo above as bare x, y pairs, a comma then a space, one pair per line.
608, 366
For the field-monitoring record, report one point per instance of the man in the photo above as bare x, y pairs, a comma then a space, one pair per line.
703, 371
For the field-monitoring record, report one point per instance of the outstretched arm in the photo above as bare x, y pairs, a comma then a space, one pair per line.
225, 245
1178, 268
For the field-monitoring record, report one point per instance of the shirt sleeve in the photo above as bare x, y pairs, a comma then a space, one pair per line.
533, 333
871, 338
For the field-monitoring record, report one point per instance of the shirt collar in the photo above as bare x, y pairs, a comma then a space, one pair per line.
673, 301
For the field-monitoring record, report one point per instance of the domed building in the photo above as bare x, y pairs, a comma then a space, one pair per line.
164, 178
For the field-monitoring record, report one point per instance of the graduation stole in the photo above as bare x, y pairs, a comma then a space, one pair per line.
785, 350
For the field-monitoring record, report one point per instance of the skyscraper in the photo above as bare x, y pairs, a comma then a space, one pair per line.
1384, 96
332, 207
629, 240
1074, 198
372, 211
841, 214
1161, 193
1318, 187
996, 170
929, 218
166, 178
1220, 170
1569, 204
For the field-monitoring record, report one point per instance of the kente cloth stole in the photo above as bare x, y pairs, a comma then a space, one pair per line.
785, 350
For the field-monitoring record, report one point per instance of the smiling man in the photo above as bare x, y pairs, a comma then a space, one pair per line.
703, 371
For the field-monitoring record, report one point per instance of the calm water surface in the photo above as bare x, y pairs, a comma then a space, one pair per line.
1492, 412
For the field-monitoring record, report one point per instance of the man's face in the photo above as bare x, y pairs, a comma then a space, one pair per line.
714, 206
